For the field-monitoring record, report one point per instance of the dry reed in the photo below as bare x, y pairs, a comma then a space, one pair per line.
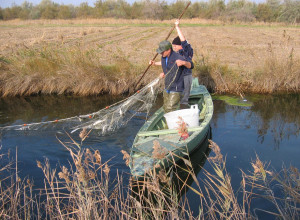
90, 57
78, 72
84, 190
278, 73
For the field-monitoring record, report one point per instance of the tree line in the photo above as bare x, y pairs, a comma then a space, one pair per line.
234, 10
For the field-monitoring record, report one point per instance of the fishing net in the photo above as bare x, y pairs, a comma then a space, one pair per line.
106, 120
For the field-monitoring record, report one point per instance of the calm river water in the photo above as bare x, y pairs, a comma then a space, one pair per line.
269, 128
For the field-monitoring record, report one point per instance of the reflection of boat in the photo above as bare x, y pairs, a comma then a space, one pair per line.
170, 144
183, 173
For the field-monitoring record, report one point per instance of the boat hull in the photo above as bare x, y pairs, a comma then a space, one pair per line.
155, 146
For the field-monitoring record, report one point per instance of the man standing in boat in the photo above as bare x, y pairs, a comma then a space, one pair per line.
173, 65
181, 46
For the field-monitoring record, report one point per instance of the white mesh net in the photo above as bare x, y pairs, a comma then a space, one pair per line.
105, 120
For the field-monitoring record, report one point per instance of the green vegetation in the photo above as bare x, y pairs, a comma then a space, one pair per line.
85, 190
233, 100
234, 10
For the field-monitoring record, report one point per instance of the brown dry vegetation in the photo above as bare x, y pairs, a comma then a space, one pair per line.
108, 56
84, 190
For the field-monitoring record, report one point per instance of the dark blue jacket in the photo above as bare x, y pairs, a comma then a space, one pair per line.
187, 52
174, 78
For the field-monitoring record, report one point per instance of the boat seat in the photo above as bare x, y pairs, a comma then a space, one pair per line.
170, 137
166, 132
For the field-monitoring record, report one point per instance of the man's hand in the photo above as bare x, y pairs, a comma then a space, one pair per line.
151, 62
179, 32
183, 63
161, 75
180, 62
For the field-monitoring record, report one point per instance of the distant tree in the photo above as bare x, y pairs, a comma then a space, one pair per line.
239, 10
6, 14
114, 8
121, 10
84, 10
198, 9
235, 4
137, 10
156, 9
26, 9
108, 7
275, 8
49, 9
1, 13
290, 11
99, 9
233, 10
175, 9
132, 12
35, 13
263, 12
65, 12
11, 13
215, 8
49, 13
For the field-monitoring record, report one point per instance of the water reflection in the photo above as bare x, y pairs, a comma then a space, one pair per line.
275, 116
270, 115
40, 144
49, 107
185, 179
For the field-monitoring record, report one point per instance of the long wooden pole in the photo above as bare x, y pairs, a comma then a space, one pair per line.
169, 34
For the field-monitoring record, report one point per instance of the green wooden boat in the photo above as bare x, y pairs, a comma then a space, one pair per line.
155, 132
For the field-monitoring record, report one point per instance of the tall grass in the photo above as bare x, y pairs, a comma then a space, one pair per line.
49, 70
75, 68
86, 190
17, 200
279, 72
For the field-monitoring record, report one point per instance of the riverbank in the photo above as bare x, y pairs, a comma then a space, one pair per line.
90, 57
